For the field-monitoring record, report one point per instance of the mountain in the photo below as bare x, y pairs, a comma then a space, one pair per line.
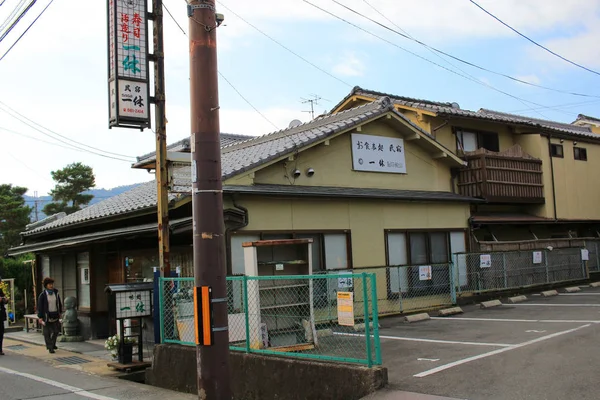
99, 195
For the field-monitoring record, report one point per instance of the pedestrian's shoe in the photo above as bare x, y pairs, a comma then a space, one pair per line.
1, 353
51, 351
55, 348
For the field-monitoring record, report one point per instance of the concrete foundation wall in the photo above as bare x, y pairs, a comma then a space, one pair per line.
255, 377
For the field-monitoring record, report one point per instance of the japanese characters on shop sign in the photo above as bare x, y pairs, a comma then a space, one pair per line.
378, 154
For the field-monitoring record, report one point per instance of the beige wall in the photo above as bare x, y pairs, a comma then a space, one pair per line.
365, 219
333, 166
577, 189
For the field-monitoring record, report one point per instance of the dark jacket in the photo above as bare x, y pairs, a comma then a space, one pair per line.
43, 306
2, 307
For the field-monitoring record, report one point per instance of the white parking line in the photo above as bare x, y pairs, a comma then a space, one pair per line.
553, 305
69, 388
565, 321
409, 339
580, 294
493, 353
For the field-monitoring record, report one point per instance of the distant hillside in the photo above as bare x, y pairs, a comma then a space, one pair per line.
99, 195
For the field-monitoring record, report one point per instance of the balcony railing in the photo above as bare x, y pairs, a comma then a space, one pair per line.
511, 176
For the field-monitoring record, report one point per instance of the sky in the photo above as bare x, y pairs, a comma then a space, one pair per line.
277, 53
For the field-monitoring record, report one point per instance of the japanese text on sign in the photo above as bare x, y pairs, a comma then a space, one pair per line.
537, 257
378, 154
133, 304
485, 261
131, 38
345, 308
425, 272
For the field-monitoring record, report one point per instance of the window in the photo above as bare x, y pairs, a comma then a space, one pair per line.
579, 153
557, 150
471, 141
419, 248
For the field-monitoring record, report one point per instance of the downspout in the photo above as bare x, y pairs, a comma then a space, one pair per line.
228, 235
552, 175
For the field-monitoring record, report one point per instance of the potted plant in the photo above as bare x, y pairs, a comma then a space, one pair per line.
121, 351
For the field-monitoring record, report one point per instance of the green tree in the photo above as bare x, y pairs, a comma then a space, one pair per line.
16, 268
71, 182
14, 216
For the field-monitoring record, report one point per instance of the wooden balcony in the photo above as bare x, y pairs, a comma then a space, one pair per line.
511, 176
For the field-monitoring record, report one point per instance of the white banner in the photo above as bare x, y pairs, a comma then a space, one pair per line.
378, 154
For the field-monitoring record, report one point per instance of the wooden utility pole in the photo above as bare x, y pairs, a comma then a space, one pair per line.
207, 197
161, 174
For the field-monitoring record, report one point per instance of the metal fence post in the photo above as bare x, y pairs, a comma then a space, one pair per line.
375, 306
452, 282
367, 323
161, 286
546, 263
504, 269
597, 257
246, 317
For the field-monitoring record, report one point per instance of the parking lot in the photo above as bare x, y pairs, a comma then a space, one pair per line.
543, 348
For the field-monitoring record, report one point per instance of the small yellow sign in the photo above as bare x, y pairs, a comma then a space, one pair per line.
345, 308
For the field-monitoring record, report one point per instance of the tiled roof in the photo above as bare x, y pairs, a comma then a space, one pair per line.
347, 192
453, 109
184, 144
236, 158
138, 198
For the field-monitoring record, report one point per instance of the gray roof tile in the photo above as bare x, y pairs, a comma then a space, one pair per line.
452, 109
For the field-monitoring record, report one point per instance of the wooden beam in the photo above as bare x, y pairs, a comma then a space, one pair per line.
441, 154
359, 128
414, 136
326, 143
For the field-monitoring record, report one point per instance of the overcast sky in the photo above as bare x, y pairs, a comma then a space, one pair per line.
56, 76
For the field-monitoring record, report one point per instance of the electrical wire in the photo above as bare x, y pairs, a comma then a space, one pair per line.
58, 134
67, 143
471, 64
429, 61
533, 41
24, 32
285, 47
223, 76
12, 14
12, 26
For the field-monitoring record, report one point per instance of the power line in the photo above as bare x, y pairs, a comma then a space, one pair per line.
533, 41
12, 26
58, 134
24, 32
223, 76
428, 60
62, 141
471, 64
12, 14
560, 106
285, 47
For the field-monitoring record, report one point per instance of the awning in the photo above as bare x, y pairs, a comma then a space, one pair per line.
96, 236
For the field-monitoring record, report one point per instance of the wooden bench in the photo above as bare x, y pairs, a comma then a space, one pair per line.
32, 322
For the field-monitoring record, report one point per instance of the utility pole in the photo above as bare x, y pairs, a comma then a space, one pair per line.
207, 196
158, 57
35, 204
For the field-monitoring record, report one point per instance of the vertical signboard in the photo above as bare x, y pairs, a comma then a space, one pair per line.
345, 308
128, 66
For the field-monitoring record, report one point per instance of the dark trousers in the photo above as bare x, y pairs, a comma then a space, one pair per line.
51, 330
1, 334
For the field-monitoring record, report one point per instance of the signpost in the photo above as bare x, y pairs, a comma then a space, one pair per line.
128, 77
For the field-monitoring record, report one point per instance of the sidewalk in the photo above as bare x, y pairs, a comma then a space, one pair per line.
89, 356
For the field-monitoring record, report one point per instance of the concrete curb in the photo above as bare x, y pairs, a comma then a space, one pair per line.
595, 284
324, 333
491, 303
549, 293
361, 327
573, 289
517, 299
450, 311
416, 318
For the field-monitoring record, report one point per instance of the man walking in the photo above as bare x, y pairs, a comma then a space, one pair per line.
49, 311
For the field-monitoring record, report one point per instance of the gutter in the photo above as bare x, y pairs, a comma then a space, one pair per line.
552, 175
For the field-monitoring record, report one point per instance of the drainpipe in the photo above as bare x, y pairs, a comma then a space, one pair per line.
228, 234
552, 175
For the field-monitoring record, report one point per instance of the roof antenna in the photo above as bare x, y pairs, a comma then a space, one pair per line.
313, 101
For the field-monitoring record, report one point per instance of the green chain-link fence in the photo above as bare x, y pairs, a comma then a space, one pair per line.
295, 316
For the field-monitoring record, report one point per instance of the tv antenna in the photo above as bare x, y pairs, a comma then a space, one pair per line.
313, 101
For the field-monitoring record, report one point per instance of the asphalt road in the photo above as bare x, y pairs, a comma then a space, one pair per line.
22, 377
545, 348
